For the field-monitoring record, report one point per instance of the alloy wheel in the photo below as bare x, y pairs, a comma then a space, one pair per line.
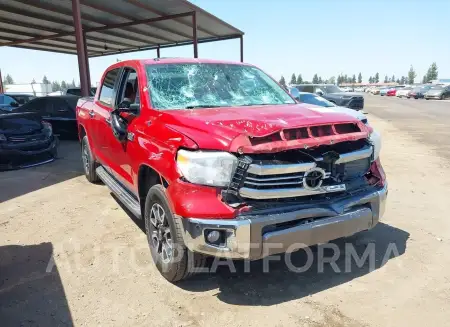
160, 233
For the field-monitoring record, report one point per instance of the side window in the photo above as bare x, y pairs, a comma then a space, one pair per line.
56, 106
308, 88
129, 88
107, 90
7, 100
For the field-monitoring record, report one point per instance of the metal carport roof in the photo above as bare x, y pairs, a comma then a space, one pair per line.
92, 28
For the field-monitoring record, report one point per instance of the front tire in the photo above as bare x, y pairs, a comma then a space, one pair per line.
172, 258
89, 163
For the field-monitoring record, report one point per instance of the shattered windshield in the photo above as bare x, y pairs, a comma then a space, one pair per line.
188, 86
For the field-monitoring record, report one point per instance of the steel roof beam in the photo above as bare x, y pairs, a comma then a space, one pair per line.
161, 13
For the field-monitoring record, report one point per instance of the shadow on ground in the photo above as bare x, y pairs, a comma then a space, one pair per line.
280, 284
19, 182
29, 295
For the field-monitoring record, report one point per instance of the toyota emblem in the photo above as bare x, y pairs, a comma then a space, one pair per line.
313, 178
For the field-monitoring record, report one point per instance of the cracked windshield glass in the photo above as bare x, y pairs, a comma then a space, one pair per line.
189, 86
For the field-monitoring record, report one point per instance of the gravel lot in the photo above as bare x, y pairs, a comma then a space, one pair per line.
100, 270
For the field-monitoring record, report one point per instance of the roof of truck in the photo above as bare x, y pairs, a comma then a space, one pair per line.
156, 61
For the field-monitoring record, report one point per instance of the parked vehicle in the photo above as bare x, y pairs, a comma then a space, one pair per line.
57, 110
392, 92
77, 91
318, 101
10, 101
206, 151
334, 94
25, 140
383, 91
403, 92
375, 91
418, 92
439, 92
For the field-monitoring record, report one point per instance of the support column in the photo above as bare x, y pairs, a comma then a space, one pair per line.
158, 52
88, 71
81, 48
242, 48
194, 34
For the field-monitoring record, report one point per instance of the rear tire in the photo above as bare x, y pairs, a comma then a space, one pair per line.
172, 258
89, 163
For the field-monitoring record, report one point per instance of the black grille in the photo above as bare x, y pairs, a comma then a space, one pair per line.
27, 138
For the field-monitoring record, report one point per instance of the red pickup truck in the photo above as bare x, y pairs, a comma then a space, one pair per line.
219, 160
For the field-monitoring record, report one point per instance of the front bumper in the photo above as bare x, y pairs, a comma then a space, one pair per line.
432, 96
254, 236
28, 154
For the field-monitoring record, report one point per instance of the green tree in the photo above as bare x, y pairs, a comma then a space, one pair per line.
293, 79
432, 72
377, 78
56, 86
386, 79
299, 79
393, 79
425, 79
33, 81
359, 78
8, 79
320, 80
370, 80
398, 81
45, 80
332, 80
346, 79
315, 79
63, 85
354, 78
282, 81
411, 75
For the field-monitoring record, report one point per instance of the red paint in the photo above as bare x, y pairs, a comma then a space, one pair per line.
159, 134
391, 93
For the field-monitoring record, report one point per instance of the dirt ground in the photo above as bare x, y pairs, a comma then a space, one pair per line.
70, 255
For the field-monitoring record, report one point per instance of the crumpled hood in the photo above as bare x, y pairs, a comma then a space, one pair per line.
19, 123
217, 128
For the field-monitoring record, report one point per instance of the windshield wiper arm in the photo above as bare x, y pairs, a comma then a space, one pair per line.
203, 106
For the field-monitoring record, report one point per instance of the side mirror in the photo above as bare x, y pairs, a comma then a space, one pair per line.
295, 93
319, 92
127, 106
14, 104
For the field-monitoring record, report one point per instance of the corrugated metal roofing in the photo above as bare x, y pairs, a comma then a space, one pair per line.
31, 19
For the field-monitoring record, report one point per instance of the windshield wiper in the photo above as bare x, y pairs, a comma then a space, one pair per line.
204, 106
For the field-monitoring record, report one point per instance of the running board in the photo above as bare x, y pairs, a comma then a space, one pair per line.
124, 196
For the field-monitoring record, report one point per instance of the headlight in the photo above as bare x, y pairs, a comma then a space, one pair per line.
48, 130
2, 137
207, 168
375, 139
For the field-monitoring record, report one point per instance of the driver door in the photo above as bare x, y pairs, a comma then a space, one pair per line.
117, 155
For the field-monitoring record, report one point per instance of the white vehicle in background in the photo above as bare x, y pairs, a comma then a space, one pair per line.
403, 92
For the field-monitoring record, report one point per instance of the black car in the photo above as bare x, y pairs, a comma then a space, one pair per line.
9, 101
25, 140
333, 94
57, 110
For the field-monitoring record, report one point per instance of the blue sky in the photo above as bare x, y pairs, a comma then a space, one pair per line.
282, 37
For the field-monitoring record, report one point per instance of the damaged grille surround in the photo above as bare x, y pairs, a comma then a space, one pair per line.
298, 173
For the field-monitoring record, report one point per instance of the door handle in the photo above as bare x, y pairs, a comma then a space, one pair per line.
91, 113
108, 121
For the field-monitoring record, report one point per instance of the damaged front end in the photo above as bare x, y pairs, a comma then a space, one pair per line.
303, 165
